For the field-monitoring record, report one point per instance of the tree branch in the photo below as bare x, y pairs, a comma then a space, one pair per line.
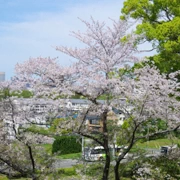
91, 137
159, 133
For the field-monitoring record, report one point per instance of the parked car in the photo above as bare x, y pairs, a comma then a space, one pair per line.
165, 150
97, 154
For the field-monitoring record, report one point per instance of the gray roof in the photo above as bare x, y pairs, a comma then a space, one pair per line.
84, 101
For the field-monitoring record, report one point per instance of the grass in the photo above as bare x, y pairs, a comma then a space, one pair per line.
156, 144
2, 177
70, 156
23, 179
153, 144
67, 171
48, 148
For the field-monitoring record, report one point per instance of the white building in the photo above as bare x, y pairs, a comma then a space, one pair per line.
22, 112
27, 111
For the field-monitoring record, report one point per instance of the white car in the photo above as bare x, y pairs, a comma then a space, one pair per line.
97, 154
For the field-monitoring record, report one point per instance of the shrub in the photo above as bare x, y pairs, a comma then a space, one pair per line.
67, 171
151, 168
94, 170
170, 166
66, 145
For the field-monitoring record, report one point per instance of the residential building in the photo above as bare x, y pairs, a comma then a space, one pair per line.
94, 122
25, 112
28, 111
79, 104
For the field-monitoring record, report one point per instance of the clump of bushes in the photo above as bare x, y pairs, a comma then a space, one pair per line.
67, 171
66, 145
161, 168
93, 171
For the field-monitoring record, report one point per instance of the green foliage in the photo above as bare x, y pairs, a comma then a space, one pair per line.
48, 148
66, 145
23, 94
156, 144
151, 126
167, 165
160, 24
4, 93
159, 168
61, 173
77, 96
67, 171
70, 156
3, 177
55, 126
127, 169
38, 130
137, 150
94, 170
7, 93
126, 124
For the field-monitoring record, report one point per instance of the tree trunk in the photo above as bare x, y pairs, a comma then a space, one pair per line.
116, 170
107, 165
34, 178
106, 146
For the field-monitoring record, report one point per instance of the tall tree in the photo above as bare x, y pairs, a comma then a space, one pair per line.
88, 77
146, 92
159, 24
20, 152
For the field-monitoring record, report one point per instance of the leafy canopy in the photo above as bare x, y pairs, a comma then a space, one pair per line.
160, 24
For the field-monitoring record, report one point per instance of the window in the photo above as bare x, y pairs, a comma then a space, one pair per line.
97, 151
95, 121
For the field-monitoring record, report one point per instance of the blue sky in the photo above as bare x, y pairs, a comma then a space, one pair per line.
32, 28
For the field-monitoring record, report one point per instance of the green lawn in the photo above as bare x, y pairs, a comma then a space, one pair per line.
70, 156
2, 177
153, 144
156, 144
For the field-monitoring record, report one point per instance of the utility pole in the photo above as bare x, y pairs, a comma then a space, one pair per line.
83, 153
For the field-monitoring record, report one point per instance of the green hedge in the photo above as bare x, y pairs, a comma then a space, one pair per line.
66, 145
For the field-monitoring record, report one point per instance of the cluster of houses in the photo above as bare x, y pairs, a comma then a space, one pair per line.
27, 112
93, 121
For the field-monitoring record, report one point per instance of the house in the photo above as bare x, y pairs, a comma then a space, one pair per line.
27, 111
22, 112
79, 104
95, 123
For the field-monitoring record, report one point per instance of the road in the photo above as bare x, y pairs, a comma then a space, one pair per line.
63, 163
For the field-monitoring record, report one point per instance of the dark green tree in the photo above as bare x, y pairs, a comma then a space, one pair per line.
159, 25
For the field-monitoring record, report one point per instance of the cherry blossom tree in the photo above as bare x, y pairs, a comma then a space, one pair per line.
149, 95
20, 153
